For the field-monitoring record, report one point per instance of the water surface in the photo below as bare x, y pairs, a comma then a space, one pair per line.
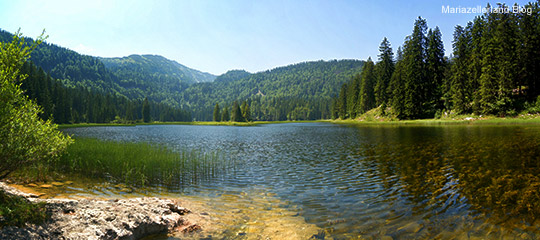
405, 182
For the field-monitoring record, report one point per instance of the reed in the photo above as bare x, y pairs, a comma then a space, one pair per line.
137, 164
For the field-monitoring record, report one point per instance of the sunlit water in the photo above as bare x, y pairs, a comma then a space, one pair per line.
341, 182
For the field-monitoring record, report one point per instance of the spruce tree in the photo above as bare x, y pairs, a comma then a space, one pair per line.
146, 110
217, 113
435, 68
415, 86
353, 90
367, 94
397, 86
384, 70
225, 116
529, 51
236, 115
460, 77
342, 102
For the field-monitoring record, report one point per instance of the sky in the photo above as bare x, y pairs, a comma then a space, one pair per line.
219, 35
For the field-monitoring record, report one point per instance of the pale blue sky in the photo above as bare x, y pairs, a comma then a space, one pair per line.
216, 36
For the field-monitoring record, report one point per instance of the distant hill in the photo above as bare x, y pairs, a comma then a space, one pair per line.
156, 68
297, 91
313, 81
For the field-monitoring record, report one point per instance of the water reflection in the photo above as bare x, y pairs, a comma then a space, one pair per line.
374, 181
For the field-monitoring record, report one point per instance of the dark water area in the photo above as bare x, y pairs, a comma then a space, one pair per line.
404, 182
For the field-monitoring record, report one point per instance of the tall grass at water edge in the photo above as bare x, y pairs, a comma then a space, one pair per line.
138, 163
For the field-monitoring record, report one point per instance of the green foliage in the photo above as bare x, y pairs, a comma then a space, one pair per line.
25, 139
353, 92
153, 76
136, 163
384, 70
435, 70
75, 105
217, 113
17, 211
367, 94
298, 90
225, 116
146, 111
397, 84
236, 113
246, 113
342, 102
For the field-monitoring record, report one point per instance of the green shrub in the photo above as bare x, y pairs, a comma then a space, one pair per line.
25, 139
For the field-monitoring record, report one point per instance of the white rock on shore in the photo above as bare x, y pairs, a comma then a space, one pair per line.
131, 218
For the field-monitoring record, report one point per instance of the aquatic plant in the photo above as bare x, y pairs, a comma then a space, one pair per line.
137, 163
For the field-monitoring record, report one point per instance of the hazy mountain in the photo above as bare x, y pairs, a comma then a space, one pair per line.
155, 67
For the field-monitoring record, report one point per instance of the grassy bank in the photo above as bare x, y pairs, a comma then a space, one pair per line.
254, 123
457, 120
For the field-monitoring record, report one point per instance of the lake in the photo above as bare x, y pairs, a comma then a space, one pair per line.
368, 181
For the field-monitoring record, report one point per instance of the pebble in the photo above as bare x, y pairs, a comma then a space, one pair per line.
57, 184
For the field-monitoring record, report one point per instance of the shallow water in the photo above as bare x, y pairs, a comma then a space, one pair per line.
405, 182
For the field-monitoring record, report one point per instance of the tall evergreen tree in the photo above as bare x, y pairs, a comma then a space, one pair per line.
225, 116
415, 86
217, 113
461, 43
246, 112
146, 110
384, 70
367, 94
529, 52
397, 84
475, 61
342, 102
435, 69
236, 115
353, 90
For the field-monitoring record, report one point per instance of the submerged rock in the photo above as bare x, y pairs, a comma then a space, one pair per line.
131, 218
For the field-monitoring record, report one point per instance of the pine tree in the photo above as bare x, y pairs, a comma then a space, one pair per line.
529, 52
217, 114
499, 63
342, 102
384, 70
236, 115
367, 94
435, 68
225, 116
475, 62
146, 110
460, 77
415, 86
353, 90
397, 86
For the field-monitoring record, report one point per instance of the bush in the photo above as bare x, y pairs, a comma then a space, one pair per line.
25, 139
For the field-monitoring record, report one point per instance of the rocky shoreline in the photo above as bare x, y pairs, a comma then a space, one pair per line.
130, 218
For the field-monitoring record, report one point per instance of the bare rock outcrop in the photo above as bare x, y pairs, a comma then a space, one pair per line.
131, 218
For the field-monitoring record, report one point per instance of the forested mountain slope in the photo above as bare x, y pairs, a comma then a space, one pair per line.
277, 92
294, 92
